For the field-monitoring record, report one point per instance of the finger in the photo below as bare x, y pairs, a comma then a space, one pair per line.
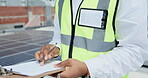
43, 50
67, 74
41, 56
48, 46
42, 62
37, 57
58, 75
63, 75
57, 51
63, 64
49, 56
54, 53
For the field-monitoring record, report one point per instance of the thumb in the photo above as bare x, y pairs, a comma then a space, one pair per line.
63, 64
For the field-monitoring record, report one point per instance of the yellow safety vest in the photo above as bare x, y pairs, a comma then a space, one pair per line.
86, 39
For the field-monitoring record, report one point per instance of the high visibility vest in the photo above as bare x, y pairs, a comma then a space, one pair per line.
92, 32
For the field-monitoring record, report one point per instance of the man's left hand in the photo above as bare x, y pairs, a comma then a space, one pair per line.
73, 68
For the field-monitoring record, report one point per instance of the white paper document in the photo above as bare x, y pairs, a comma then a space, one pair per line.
33, 68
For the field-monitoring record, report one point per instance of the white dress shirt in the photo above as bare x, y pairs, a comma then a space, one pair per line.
131, 32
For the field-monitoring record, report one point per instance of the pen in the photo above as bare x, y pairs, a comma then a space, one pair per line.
48, 52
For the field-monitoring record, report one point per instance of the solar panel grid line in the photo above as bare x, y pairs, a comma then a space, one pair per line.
13, 48
13, 42
1, 40
32, 52
35, 44
6, 43
17, 41
28, 38
24, 48
34, 39
17, 53
24, 43
7, 52
46, 40
1, 48
15, 59
28, 60
29, 54
8, 40
43, 43
38, 39
12, 45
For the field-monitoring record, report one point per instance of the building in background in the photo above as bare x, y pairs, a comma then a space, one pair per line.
25, 13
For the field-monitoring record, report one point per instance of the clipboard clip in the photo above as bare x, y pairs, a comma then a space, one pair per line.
5, 72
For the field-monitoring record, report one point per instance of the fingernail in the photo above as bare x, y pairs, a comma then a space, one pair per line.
59, 76
55, 55
56, 66
41, 63
46, 57
49, 56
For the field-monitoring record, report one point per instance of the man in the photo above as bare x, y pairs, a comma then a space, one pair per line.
103, 38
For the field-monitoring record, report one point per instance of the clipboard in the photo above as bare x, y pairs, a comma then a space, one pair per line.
37, 76
33, 69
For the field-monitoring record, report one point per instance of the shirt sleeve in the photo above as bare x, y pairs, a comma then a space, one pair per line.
131, 52
56, 35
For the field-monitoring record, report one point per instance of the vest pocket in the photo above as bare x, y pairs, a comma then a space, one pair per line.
94, 18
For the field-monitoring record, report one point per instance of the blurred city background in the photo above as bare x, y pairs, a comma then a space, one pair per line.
27, 25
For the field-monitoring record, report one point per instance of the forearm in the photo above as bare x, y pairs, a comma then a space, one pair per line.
56, 35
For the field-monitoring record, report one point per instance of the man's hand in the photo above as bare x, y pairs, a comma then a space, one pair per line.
74, 68
44, 51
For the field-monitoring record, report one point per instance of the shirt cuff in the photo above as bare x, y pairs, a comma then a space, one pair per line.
95, 67
58, 44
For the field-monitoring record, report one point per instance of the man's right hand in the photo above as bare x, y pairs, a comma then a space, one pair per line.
44, 51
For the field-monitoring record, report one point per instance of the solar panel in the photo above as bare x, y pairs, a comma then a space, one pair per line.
25, 48
16, 45
15, 59
2, 48
7, 52
21, 46
7, 42
44, 42
32, 51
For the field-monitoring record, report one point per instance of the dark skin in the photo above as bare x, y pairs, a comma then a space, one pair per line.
48, 55
74, 68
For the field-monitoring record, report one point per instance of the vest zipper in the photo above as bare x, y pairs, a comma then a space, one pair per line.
114, 18
72, 32
72, 29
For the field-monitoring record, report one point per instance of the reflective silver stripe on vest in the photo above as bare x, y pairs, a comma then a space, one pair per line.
103, 4
96, 44
60, 10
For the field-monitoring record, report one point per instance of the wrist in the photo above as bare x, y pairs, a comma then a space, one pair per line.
87, 74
